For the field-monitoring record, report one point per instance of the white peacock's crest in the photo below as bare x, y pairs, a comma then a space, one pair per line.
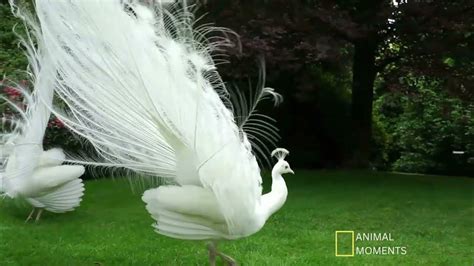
280, 153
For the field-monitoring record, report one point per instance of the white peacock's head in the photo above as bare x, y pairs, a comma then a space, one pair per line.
282, 166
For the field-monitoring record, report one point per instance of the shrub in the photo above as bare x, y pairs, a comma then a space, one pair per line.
426, 124
56, 134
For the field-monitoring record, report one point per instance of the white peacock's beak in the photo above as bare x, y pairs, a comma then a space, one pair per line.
291, 171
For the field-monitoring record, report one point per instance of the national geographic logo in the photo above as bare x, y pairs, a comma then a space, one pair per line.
350, 243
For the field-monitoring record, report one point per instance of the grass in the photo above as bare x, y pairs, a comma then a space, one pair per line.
432, 216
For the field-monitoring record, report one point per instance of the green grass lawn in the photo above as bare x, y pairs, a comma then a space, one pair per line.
432, 216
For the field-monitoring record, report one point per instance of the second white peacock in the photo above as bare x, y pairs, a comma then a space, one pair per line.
26, 170
141, 85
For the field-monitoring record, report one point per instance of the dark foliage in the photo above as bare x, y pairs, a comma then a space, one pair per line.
358, 39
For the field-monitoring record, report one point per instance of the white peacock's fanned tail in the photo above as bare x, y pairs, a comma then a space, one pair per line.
23, 143
141, 85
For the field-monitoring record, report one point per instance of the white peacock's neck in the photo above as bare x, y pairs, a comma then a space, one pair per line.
274, 200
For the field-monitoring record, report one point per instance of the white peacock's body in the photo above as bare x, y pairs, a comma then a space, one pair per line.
27, 171
142, 87
49, 185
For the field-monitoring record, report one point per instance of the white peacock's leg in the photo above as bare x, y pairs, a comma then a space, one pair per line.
30, 216
212, 253
39, 215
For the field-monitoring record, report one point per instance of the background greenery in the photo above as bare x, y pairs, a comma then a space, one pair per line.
422, 87
422, 111
417, 129
430, 215
334, 60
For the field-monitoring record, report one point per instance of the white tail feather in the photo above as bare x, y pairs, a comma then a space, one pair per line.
258, 128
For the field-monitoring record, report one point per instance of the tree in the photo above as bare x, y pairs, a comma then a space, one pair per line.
421, 36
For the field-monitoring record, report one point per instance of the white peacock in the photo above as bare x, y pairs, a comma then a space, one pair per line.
141, 85
26, 171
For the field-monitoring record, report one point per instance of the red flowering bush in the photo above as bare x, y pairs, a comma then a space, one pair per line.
57, 135
12, 93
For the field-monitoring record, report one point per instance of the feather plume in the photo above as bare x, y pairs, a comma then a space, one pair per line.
259, 129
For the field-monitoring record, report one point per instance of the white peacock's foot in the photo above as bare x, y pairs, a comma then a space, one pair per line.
230, 261
38, 215
30, 216
213, 252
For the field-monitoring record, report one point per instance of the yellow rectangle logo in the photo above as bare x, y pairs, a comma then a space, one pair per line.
351, 254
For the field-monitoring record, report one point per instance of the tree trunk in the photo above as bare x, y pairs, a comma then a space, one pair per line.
363, 77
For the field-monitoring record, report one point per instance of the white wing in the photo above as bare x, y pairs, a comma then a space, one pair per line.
63, 199
142, 87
